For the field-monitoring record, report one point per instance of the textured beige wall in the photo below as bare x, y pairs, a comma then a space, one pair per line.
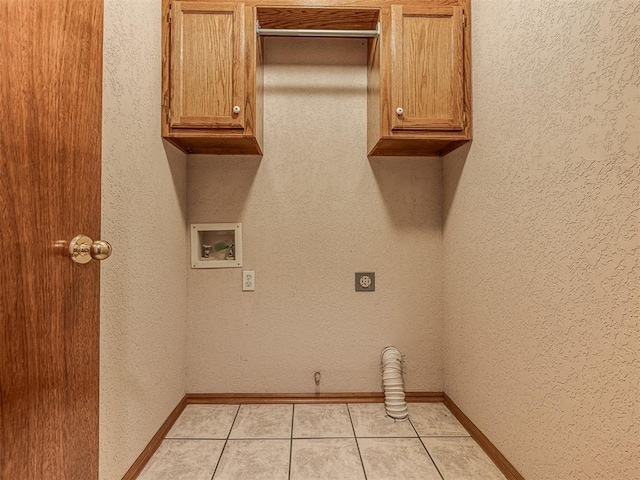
314, 211
144, 283
542, 239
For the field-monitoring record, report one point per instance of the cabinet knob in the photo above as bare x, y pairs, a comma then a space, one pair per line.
399, 111
236, 109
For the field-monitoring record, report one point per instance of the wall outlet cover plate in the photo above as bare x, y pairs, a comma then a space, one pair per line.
365, 282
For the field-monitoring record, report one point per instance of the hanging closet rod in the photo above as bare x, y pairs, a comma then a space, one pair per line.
285, 32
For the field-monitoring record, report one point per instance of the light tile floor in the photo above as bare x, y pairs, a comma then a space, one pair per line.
324, 442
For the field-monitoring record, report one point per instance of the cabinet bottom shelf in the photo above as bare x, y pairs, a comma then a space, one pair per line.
413, 147
216, 145
249, 145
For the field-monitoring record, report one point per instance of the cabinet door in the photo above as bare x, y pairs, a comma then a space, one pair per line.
427, 68
207, 65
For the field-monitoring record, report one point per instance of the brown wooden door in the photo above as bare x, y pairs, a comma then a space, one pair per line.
207, 65
427, 78
50, 157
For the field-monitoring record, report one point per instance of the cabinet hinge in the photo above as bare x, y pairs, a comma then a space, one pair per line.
464, 20
464, 118
170, 14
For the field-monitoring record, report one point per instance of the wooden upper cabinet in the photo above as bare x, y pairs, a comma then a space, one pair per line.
424, 81
427, 68
419, 71
212, 78
207, 65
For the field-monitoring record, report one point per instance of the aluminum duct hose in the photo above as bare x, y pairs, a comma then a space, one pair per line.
394, 401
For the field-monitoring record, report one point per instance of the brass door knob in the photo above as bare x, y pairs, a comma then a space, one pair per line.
82, 249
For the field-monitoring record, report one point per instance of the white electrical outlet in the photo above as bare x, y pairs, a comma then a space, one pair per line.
248, 280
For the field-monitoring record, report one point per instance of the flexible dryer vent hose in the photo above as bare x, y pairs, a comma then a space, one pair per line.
394, 400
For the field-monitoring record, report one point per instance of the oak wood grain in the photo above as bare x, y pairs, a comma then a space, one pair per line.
373, 92
428, 62
253, 75
386, 72
415, 146
420, 136
347, 4
212, 61
166, 67
207, 65
314, 18
355, 4
439, 117
138, 466
258, 85
220, 144
490, 449
50, 163
468, 128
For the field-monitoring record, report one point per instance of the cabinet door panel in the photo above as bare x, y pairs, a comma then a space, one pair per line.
207, 65
428, 68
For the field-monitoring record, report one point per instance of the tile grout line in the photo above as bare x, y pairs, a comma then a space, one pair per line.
205, 439
364, 471
343, 437
426, 450
293, 415
225, 443
331, 437
238, 438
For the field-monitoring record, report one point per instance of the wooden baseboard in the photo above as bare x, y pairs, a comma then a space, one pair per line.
501, 462
490, 449
155, 442
267, 398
